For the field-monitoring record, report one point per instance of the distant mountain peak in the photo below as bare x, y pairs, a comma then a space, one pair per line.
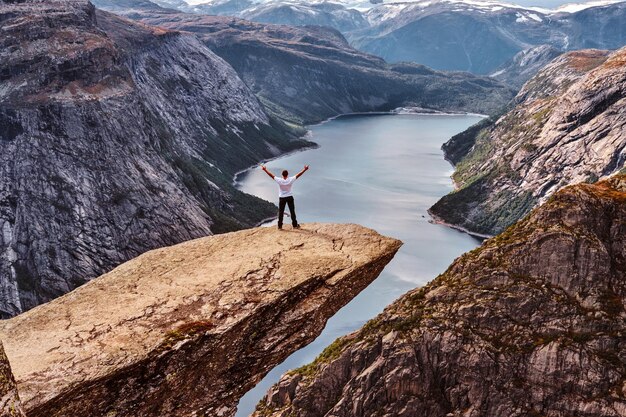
365, 5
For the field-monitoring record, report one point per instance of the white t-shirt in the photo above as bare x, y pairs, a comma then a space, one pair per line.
284, 186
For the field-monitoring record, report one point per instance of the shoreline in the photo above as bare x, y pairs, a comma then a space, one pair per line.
438, 220
266, 160
395, 112
450, 247
400, 111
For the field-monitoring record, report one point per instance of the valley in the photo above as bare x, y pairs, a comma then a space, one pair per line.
116, 138
381, 171
308, 74
128, 135
137, 278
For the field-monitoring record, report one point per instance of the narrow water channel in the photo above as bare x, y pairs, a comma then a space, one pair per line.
383, 172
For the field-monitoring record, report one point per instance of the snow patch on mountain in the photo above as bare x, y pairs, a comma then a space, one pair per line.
391, 8
576, 7
527, 17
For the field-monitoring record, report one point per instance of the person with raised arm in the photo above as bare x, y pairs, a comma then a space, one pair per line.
285, 196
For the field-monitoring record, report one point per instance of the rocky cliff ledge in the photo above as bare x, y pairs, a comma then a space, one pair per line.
530, 324
187, 330
10, 405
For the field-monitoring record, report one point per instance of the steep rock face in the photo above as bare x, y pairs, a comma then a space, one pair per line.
569, 126
10, 405
308, 74
115, 138
187, 330
525, 64
531, 323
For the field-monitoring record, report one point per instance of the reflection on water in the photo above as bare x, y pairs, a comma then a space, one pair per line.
382, 172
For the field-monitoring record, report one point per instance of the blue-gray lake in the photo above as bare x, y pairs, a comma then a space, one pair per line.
383, 172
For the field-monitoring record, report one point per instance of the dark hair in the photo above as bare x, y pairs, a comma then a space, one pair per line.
285, 173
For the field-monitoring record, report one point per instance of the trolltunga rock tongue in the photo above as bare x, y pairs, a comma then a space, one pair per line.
187, 329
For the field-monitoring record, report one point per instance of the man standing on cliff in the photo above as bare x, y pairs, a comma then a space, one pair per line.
285, 196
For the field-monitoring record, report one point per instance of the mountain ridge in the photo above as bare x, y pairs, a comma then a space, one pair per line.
308, 74
483, 37
475, 36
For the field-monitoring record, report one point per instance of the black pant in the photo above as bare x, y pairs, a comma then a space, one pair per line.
281, 210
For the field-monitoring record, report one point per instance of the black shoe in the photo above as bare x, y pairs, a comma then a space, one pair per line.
297, 226
280, 228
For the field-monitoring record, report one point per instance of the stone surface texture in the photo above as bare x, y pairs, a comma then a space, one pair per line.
525, 64
10, 405
188, 329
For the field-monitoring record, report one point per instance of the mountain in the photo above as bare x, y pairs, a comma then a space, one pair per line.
481, 36
529, 324
569, 126
292, 13
125, 5
337, 14
187, 330
308, 74
115, 138
524, 65
475, 36
331, 14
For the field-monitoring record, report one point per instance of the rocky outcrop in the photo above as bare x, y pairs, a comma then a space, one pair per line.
532, 323
10, 405
188, 329
115, 138
569, 126
308, 74
525, 64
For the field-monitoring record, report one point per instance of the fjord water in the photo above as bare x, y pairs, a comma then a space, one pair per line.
383, 172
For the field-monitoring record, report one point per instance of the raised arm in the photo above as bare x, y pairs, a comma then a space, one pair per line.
264, 168
305, 169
